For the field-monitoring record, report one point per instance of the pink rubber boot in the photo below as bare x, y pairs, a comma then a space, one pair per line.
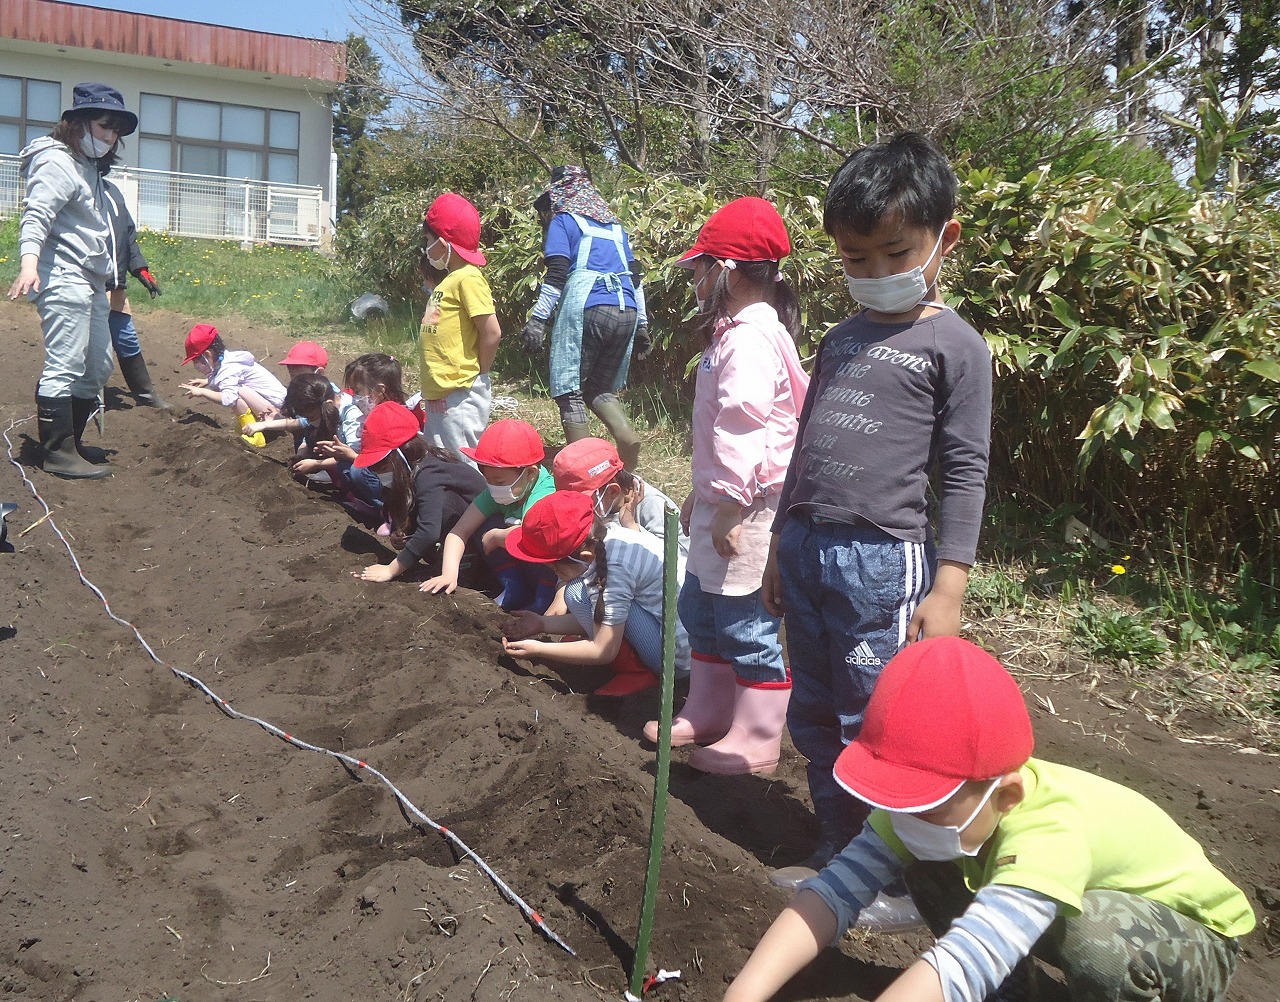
708, 712
754, 742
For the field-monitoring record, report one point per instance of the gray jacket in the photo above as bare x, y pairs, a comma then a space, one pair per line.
64, 220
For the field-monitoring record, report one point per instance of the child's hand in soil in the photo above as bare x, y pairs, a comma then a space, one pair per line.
304, 466
522, 625
523, 648
376, 572
441, 582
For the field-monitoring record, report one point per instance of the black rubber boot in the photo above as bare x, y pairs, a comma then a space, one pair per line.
609, 409
81, 410
58, 439
138, 379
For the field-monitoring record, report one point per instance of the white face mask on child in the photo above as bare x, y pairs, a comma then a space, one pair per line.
440, 263
505, 494
893, 293
940, 843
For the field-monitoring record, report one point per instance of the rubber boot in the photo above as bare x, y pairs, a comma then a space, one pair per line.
257, 439
614, 416
754, 741
631, 674
81, 410
573, 431
58, 440
708, 712
138, 379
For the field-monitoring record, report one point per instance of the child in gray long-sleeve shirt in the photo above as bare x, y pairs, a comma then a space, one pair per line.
900, 390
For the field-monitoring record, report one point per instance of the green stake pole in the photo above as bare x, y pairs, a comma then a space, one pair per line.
658, 826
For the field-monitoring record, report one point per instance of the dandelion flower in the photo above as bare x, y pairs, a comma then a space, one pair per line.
1118, 569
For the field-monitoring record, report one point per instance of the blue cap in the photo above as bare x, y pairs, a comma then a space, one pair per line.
100, 97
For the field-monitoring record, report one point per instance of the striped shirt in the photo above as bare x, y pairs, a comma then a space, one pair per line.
982, 946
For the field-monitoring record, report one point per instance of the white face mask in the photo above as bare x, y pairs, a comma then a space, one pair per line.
441, 263
893, 293
597, 505
505, 494
940, 843
363, 402
698, 296
93, 147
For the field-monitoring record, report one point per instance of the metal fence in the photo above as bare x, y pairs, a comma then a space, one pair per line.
197, 205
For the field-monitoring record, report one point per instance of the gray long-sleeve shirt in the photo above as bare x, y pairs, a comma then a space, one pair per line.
887, 404
64, 220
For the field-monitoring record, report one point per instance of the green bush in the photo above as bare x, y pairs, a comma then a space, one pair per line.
1137, 375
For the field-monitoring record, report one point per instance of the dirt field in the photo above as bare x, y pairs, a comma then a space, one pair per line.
154, 848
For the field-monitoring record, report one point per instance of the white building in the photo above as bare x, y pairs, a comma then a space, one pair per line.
235, 133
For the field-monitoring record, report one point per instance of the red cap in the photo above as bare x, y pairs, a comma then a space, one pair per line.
388, 426
452, 218
552, 528
507, 443
198, 341
943, 712
747, 229
306, 353
585, 465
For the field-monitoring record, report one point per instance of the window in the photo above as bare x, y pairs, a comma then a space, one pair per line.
226, 140
28, 109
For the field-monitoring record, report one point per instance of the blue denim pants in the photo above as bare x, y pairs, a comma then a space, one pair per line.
124, 336
733, 628
849, 592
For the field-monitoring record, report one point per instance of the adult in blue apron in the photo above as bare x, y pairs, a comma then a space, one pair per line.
592, 303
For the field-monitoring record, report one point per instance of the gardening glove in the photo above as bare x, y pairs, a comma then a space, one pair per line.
148, 281
643, 346
534, 335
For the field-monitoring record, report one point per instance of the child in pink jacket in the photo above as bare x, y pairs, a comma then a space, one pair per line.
750, 389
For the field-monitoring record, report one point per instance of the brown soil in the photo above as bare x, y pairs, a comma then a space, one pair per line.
154, 848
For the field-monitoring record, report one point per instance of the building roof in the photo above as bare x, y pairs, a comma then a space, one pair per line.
73, 25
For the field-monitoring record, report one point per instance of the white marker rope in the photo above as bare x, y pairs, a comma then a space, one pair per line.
351, 763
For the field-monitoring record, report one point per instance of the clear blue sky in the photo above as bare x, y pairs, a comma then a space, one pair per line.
329, 19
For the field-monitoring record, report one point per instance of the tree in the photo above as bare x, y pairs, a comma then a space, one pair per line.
358, 100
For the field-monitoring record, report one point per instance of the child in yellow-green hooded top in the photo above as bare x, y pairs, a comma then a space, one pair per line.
1006, 856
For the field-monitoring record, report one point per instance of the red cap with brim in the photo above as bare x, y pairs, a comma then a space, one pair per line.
552, 529
387, 428
508, 443
943, 712
306, 353
451, 217
198, 341
746, 229
585, 465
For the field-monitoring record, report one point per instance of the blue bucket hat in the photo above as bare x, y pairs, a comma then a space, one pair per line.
87, 97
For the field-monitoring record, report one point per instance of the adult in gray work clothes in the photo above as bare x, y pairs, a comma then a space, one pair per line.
65, 244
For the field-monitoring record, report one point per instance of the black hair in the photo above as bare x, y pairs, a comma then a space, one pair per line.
596, 539
217, 349
376, 368
74, 125
907, 180
763, 277
401, 499
307, 391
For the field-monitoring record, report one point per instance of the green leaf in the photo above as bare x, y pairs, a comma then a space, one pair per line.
1267, 368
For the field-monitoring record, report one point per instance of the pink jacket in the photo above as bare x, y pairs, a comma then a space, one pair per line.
750, 390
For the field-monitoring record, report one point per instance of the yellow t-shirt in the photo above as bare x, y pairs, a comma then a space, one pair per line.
448, 337
1076, 832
